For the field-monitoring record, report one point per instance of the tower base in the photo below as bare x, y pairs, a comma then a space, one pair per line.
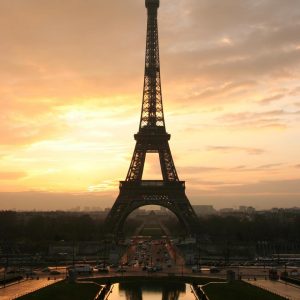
133, 195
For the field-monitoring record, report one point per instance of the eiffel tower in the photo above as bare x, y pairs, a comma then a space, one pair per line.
152, 138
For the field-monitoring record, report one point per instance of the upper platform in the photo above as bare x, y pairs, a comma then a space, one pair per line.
152, 133
158, 185
152, 3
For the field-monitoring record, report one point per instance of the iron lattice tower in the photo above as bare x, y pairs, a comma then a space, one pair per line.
152, 137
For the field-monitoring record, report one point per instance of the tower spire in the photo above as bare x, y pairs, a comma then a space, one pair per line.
152, 135
152, 108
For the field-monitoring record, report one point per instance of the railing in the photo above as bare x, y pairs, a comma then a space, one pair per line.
152, 183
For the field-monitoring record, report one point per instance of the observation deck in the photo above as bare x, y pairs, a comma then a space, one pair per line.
152, 184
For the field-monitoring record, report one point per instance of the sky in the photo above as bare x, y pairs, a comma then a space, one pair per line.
71, 74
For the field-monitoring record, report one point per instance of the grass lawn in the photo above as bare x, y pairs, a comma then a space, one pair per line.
152, 231
64, 290
236, 291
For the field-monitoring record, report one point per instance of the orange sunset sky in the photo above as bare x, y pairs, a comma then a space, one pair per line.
71, 77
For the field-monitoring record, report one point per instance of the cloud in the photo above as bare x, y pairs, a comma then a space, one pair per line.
269, 166
229, 149
263, 42
208, 185
192, 170
225, 89
19, 130
233, 117
198, 170
291, 186
12, 175
268, 119
30, 200
74, 52
103, 186
220, 92
267, 100
260, 194
70, 49
295, 91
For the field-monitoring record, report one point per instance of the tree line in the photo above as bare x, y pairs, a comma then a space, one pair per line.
67, 226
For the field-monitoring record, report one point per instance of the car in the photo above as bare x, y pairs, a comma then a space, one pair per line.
46, 270
80, 269
158, 268
151, 269
214, 270
31, 273
113, 266
294, 272
196, 269
121, 269
103, 270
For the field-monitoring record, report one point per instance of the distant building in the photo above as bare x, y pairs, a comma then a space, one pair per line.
226, 210
202, 210
138, 212
247, 209
63, 248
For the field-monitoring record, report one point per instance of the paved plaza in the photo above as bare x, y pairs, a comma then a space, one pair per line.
24, 287
281, 288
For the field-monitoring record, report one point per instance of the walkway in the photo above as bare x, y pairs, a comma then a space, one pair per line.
24, 287
278, 287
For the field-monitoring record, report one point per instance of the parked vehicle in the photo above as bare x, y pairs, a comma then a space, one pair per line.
196, 269
81, 269
158, 268
273, 274
151, 269
46, 270
294, 272
103, 270
121, 269
214, 270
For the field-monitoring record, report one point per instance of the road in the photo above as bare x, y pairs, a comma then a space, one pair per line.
152, 253
161, 252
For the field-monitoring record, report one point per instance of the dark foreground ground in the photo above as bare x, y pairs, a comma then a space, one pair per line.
65, 291
75, 291
238, 290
